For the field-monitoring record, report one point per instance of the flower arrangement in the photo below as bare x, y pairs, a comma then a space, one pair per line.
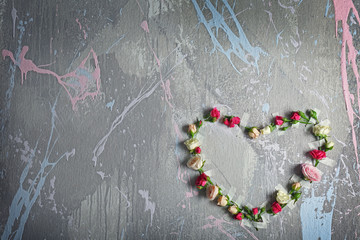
309, 170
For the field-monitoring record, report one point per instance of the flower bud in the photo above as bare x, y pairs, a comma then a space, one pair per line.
254, 133
212, 191
296, 186
266, 130
233, 209
329, 144
192, 129
222, 201
195, 162
192, 143
255, 211
282, 197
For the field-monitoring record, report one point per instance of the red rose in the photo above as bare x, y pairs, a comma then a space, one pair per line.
295, 116
226, 121
236, 120
318, 154
198, 150
238, 216
231, 125
279, 120
255, 211
201, 181
215, 113
275, 207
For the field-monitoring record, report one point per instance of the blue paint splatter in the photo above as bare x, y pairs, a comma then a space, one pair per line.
315, 222
327, 8
116, 42
24, 199
315, 42
240, 45
266, 108
278, 36
110, 105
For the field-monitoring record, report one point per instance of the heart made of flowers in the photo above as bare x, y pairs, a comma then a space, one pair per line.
257, 215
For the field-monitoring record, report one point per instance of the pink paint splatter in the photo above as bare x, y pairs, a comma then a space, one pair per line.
78, 84
166, 87
144, 25
81, 28
342, 10
217, 223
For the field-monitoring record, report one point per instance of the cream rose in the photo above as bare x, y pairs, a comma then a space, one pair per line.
254, 132
212, 191
222, 201
329, 144
192, 143
266, 130
233, 209
192, 129
320, 130
195, 162
282, 197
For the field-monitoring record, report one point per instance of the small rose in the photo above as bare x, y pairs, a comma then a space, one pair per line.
282, 197
266, 130
201, 181
254, 133
238, 216
329, 144
198, 150
212, 191
233, 209
192, 143
296, 186
318, 154
222, 201
275, 207
226, 121
295, 116
310, 172
279, 120
215, 113
199, 123
320, 130
255, 211
195, 163
236, 120
192, 129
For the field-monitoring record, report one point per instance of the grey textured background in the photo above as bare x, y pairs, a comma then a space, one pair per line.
112, 166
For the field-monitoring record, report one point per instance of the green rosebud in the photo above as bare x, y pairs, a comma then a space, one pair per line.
313, 114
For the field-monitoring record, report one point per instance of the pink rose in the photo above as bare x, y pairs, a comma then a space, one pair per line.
226, 121
255, 211
238, 216
198, 150
295, 116
279, 120
215, 113
318, 154
275, 207
212, 192
236, 120
310, 172
201, 181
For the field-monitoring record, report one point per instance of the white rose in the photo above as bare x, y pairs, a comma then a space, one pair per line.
192, 143
321, 130
282, 197
222, 201
233, 209
195, 163
254, 133
266, 130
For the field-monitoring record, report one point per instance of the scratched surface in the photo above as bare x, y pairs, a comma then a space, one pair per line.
96, 95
